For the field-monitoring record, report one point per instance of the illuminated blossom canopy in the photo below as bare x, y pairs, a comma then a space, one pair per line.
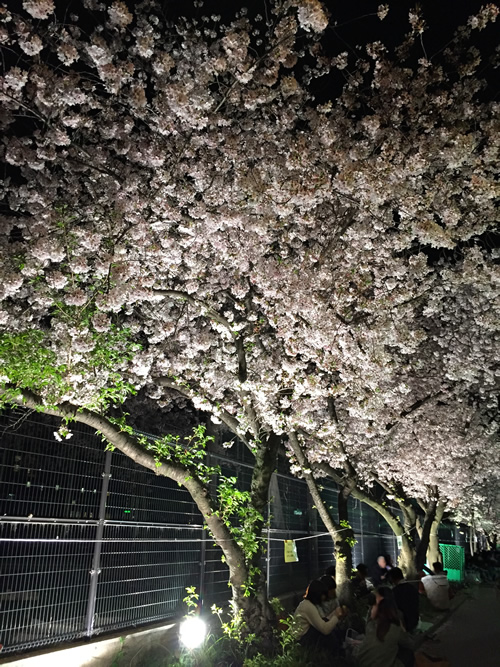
185, 217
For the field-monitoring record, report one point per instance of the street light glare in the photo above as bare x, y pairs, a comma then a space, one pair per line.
192, 632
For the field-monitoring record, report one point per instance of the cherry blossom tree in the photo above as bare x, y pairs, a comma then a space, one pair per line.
184, 218
447, 439
479, 507
454, 448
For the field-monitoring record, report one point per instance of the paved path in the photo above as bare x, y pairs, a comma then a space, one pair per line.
471, 637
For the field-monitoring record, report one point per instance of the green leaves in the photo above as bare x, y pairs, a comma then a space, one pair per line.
191, 599
189, 452
47, 366
28, 363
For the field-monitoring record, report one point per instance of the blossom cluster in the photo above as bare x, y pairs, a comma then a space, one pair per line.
285, 266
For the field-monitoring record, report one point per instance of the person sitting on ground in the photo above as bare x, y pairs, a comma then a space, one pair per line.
386, 644
331, 602
387, 594
388, 562
360, 584
330, 571
406, 598
312, 629
378, 594
437, 588
379, 571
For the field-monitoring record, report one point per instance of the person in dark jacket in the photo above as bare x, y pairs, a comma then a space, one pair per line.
360, 583
406, 598
379, 572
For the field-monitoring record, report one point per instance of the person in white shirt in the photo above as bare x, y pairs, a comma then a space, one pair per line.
312, 629
437, 588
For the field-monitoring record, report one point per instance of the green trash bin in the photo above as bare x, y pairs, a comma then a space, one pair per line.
453, 561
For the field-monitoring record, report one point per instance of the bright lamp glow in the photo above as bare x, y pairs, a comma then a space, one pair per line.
192, 632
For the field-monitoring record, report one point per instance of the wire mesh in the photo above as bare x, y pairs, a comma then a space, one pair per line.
216, 577
41, 477
143, 576
138, 495
55, 504
285, 577
43, 582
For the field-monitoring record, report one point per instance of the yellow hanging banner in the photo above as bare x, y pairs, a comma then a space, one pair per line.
291, 552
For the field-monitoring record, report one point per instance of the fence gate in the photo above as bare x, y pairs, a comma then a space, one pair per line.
453, 561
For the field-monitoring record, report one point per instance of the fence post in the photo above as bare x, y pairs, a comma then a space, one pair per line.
203, 558
313, 546
96, 560
362, 540
268, 553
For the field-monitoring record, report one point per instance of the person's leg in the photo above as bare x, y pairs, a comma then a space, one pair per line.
330, 643
406, 656
311, 638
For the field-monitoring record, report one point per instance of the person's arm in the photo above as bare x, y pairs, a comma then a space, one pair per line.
339, 612
404, 639
328, 607
313, 617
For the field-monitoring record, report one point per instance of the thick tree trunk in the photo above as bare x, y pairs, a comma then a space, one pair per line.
404, 532
472, 540
419, 528
340, 536
430, 515
407, 533
343, 549
407, 558
256, 610
433, 553
409, 539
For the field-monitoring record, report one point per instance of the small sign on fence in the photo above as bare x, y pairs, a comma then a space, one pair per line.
291, 552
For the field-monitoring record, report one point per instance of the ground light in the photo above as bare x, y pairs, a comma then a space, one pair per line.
192, 632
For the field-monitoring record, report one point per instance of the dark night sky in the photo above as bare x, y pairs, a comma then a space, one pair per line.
354, 22
442, 16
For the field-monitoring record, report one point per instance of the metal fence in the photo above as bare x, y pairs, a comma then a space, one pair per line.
91, 542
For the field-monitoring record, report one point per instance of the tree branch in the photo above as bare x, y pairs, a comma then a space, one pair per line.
231, 422
129, 446
330, 525
199, 304
413, 408
240, 351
